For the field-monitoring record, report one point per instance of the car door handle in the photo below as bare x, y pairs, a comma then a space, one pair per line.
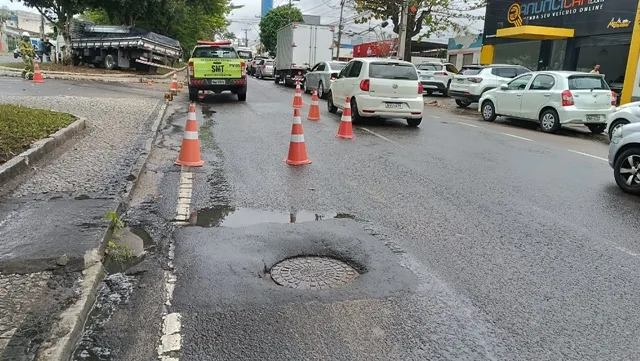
547, 95
519, 95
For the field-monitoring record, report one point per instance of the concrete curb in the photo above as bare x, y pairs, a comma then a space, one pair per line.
66, 333
20, 163
108, 78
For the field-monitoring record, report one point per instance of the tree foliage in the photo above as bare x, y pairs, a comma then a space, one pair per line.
185, 20
59, 13
432, 17
275, 19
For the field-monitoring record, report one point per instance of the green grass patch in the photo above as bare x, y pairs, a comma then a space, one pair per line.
21, 126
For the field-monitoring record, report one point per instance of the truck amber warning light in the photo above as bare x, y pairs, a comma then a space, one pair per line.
514, 16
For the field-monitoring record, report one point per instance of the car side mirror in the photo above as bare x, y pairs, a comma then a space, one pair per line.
504, 87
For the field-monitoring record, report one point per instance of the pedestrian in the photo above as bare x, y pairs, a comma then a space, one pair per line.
596, 69
28, 52
47, 49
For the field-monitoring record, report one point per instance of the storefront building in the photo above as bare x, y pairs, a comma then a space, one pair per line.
567, 35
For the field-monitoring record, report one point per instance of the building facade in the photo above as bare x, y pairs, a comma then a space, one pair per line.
567, 35
464, 50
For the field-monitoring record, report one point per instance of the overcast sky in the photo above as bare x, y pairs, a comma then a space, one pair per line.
246, 17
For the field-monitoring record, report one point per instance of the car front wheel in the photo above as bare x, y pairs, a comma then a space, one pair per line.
626, 171
330, 106
488, 111
321, 93
615, 125
549, 121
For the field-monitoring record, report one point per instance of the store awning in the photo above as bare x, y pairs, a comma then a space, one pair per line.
531, 32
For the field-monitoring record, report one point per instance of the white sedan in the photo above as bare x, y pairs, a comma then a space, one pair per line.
628, 113
553, 98
376, 87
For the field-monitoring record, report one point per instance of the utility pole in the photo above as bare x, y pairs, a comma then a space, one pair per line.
41, 26
340, 26
404, 18
246, 37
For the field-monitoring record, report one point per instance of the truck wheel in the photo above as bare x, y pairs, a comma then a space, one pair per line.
110, 62
75, 60
242, 97
193, 94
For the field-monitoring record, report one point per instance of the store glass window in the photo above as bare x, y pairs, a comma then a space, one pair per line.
558, 50
612, 60
525, 53
453, 58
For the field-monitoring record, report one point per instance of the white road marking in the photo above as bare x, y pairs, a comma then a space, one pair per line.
588, 155
185, 189
467, 124
517, 137
378, 135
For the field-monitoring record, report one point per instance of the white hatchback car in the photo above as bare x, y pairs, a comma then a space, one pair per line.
436, 77
553, 98
625, 114
383, 88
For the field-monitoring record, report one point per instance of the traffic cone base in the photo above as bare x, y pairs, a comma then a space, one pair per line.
37, 76
345, 130
297, 148
314, 109
190, 149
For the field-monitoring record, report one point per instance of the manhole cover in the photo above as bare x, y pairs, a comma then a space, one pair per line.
310, 273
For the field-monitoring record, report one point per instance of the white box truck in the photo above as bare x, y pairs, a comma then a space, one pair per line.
298, 48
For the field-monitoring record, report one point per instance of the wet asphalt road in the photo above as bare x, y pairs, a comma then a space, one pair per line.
476, 241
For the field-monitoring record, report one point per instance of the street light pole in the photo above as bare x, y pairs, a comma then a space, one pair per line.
342, 2
404, 18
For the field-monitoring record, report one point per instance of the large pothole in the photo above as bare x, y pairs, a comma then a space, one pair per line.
313, 273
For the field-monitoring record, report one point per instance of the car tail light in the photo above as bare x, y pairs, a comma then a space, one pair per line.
567, 98
364, 85
332, 78
420, 88
475, 80
614, 98
191, 71
243, 67
441, 73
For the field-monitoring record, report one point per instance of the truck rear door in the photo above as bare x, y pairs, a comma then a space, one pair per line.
216, 62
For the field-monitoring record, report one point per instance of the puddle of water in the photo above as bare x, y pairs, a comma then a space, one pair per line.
241, 217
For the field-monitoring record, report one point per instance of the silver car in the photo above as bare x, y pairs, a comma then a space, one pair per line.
264, 69
624, 157
321, 76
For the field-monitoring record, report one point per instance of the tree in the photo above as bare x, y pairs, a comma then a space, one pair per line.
59, 13
224, 34
428, 18
274, 20
184, 20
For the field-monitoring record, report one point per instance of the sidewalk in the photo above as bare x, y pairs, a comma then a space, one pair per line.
51, 218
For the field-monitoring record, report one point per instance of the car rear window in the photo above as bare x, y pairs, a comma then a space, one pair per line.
470, 71
430, 67
392, 71
245, 54
269, 62
227, 52
337, 66
587, 82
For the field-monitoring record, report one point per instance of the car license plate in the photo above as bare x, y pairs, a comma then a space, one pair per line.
393, 105
593, 117
218, 82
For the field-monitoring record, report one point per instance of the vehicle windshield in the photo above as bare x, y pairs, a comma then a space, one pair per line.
245, 54
431, 67
337, 66
393, 71
470, 71
226, 52
269, 62
587, 82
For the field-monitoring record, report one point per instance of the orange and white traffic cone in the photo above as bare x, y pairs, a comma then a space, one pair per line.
314, 110
297, 98
346, 130
37, 76
190, 149
174, 84
297, 148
